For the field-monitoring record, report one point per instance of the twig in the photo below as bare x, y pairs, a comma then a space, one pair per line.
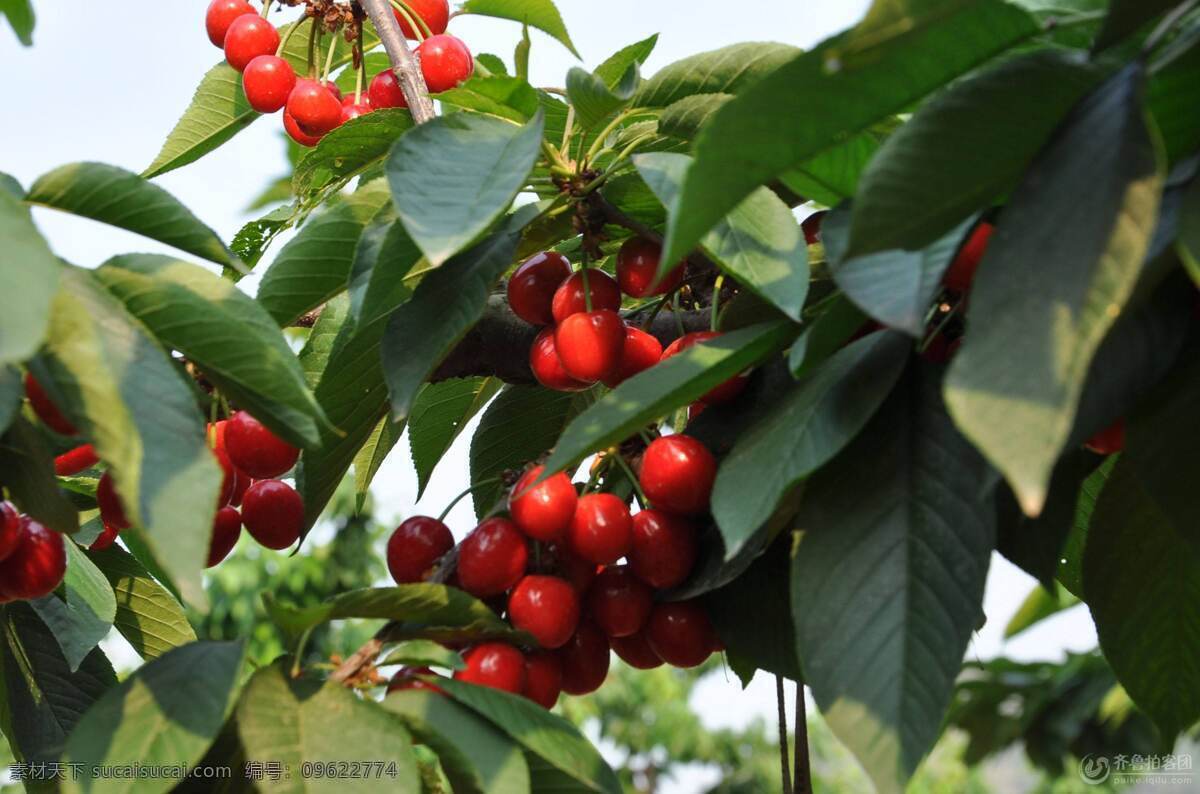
784, 767
1168, 22
404, 63
803, 780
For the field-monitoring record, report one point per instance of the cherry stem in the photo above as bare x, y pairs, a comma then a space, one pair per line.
675, 310
587, 290
362, 69
313, 36
471, 489
716, 302
783, 737
598, 144
287, 36
566, 138
300, 646
415, 21
803, 766
333, 45
266, 8
633, 480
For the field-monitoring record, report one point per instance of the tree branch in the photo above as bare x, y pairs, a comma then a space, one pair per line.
803, 780
784, 768
404, 63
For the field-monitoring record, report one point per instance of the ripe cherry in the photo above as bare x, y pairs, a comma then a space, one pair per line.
415, 547
227, 529
495, 665
10, 529
37, 565
619, 602
664, 549
46, 410
256, 450
241, 483
315, 109
543, 678
1108, 441
637, 267
590, 344
636, 652
220, 15
531, 288
601, 530
332, 88
727, 391
385, 91
681, 634
445, 62
273, 513
408, 678
812, 227
112, 512
79, 459
961, 273
569, 297
248, 37
546, 607
677, 474
267, 81
296, 134
640, 352
585, 660
354, 111
543, 511
492, 558
547, 366
229, 474
434, 13
576, 570
105, 540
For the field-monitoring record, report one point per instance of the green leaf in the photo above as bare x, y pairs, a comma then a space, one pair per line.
440, 413
818, 99
85, 613
1126, 17
315, 264
1141, 580
493, 63
928, 177
540, 14
826, 335
655, 393
148, 616
371, 456
123, 199
617, 65
27, 471
476, 757
20, 16
1039, 605
802, 432
138, 410
12, 391
384, 271
728, 70
348, 151
445, 306
225, 332
1189, 231
895, 287
545, 735
1078, 227
683, 119
424, 653
166, 713
426, 604
28, 278
833, 175
479, 164
298, 721
507, 97
594, 100
759, 242
1070, 568
889, 576
1172, 97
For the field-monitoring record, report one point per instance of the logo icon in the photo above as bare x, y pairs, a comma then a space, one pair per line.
1094, 770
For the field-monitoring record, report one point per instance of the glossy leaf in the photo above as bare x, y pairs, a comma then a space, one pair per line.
148, 616
429, 604
507, 97
440, 413
424, 653
617, 65
348, 151
593, 99
84, 614
728, 70
28, 279
540, 14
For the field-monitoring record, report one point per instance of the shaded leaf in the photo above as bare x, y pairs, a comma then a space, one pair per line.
507, 97
28, 279
616, 65
427, 604
441, 411
424, 653
593, 99
371, 456
728, 70
27, 471
84, 615
1125, 17
1039, 605
12, 391
148, 616
348, 151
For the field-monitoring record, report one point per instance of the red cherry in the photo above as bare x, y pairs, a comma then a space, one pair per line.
268, 81
590, 344
1108, 441
640, 352
112, 512
435, 14
730, 389
10, 529
585, 660
695, 409
568, 298
229, 473
545, 607
415, 547
227, 529
296, 134
256, 450
543, 511
79, 459
492, 558
681, 634
105, 540
385, 91
220, 15
547, 367
677, 474
241, 483
619, 602
349, 100
37, 566
812, 227
445, 62
636, 652
601, 530
248, 37
495, 665
962, 270
576, 570
543, 678
273, 513
354, 111
637, 267
531, 288
332, 88
46, 410
314, 109
407, 678
664, 549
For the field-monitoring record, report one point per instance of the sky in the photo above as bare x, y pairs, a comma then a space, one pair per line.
113, 85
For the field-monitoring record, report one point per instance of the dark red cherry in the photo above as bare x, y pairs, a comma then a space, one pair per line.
601, 530
664, 549
681, 633
408, 678
79, 459
229, 474
241, 483
46, 410
273, 513
677, 474
267, 81
961, 272
1108, 441
585, 660
227, 529
546, 608
415, 547
727, 391
547, 367
495, 665
569, 297
220, 15
543, 511
385, 91
248, 37
10, 529
812, 227
576, 570
36, 566
445, 62
531, 288
543, 678
619, 602
434, 13
105, 540
636, 652
590, 344
637, 267
314, 109
332, 88
492, 558
296, 134
640, 352
112, 512
256, 450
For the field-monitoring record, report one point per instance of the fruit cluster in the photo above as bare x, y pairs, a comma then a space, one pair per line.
313, 106
578, 573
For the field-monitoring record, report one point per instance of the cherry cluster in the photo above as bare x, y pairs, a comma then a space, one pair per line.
554, 568
313, 106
